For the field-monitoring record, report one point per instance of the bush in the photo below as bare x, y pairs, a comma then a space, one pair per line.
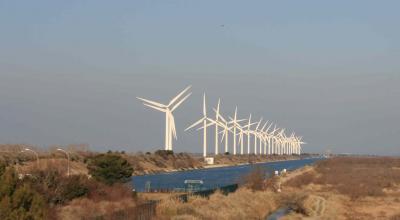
255, 179
164, 153
110, 168
2, 168
19, 201
73, 187
8, 182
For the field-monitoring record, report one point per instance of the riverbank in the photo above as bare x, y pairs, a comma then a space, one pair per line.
336, 188
346, 188
145, 164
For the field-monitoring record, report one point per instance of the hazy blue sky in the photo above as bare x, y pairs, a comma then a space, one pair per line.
70, 70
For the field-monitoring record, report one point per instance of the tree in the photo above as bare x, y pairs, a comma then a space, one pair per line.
19, 201
110, 168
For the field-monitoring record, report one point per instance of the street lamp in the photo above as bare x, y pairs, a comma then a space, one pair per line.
59, 149
36, 154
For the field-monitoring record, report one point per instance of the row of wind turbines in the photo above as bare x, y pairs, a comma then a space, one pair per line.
261, 138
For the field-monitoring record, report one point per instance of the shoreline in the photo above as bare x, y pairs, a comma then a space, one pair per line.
215, 166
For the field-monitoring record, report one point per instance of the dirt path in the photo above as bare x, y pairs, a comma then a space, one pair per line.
292, 174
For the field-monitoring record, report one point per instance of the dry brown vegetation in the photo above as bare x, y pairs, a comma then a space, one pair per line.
355, 177
347, 188
242, 159
162, 161
243, 204
105, 202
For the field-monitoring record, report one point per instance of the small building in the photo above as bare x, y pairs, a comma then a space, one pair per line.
209, 160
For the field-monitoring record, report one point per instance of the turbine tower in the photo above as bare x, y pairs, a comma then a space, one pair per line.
170, 129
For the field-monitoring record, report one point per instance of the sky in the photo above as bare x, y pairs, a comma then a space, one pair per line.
70, 71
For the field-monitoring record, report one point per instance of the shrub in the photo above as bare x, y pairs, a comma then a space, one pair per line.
2, 168
27, 204
255, 179
164, 153
73, 187
19, 201
110, 168
8, 182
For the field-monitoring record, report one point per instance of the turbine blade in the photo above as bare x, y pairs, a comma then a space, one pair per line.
219, 102
208, 125
180, 102
179, 95
154, 107
195, 124
173, 128
204, 105
152, 102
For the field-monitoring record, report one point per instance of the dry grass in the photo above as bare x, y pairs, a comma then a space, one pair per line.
160, 162
355, 177
243, 204
240, 159
88, 209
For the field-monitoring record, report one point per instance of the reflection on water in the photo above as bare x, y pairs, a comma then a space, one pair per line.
214, 177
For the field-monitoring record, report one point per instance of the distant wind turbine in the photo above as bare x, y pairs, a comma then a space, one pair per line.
170, 129
203, 120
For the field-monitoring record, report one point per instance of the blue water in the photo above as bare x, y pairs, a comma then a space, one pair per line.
214, 177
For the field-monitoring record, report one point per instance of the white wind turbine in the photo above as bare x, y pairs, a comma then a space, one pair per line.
170, 129
264, 133
226, 131
270, 140
243, 131
248, 133
255, 133
261, 137
203, 120
217, 124
291, 144
299, 143
281, 141
235, 126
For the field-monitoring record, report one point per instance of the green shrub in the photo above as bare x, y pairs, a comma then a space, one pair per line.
8, 182
19, 201
73, 187
110, 168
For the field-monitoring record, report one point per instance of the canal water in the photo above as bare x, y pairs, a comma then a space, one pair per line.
213, 177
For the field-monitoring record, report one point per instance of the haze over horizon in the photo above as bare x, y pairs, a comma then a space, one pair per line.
70, 71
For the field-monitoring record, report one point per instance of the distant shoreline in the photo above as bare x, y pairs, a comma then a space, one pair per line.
218, 166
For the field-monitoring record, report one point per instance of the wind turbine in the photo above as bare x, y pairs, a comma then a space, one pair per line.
203, 120
255, 133
235, 126
217, 118
226, 131
299, 143
263, 135
267, 139
260, 134
170, 129
248, 135
242, 132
